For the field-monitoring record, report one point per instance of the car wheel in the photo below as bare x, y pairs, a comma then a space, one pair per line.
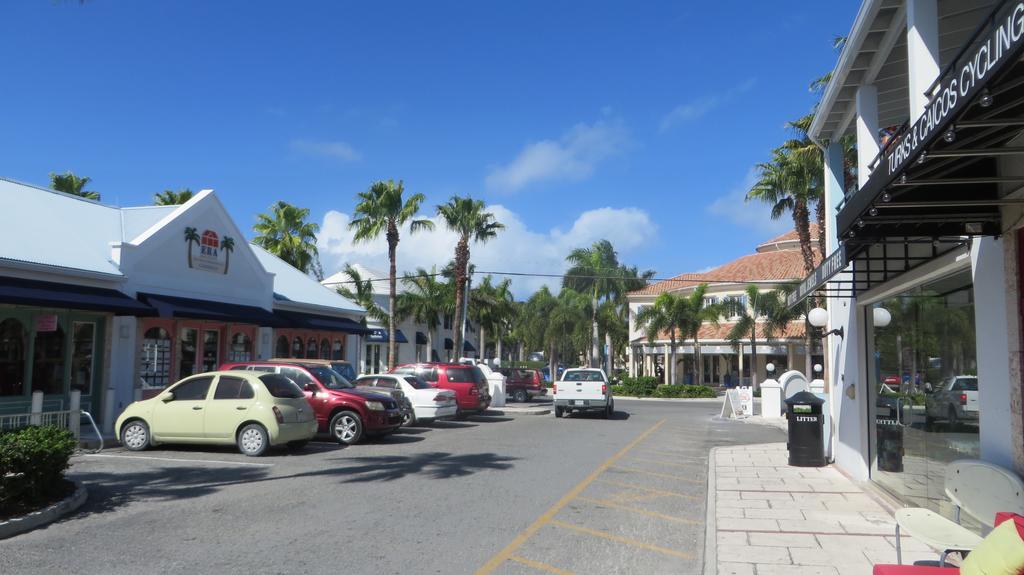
408, 418
520, 396
559, 411
253, 440
135, 435
297, 445
346, 427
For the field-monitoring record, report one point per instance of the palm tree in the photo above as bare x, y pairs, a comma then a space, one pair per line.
702, 312
286, 234
228, 245
191, 236
172, 198
361, 292
565, 326
382, 210
669, 313
69, 183
467, 218
617, 331
765, 309
424, 299
786, 184
534, 321
504, 313
593, 271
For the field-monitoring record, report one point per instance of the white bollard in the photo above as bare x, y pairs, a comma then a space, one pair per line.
36, 413
771, 399
75, 413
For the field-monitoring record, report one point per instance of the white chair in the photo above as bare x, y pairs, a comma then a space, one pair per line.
977, 487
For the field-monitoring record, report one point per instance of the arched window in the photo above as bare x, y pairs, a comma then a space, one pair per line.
297, 349
281, 349
311, 350
325, 349
241, 347
339, 350
155, 360
12, 357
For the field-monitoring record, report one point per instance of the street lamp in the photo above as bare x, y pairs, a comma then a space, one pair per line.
818, 317
881, 316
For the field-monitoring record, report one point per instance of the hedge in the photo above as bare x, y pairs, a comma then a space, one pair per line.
648, 387
32, 464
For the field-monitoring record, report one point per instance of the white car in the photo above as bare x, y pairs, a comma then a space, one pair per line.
428, 403
583, 390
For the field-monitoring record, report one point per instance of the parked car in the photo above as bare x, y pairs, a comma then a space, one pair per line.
404, 405
535, 356
523, 384
955, 399
342, 410
344, 368
428, 403
251, 410
583, 389
467, 381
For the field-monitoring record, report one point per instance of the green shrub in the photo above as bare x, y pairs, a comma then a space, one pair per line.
687, 391
32, 464
619, 390
639, 386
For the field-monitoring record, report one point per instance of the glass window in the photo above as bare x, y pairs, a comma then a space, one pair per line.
339, 350
300, 377
263, 368
325, 349
155, 359
281, 349
417, 382
211, 350
241, 347
187, 351
365, 381
329, 378
311, 348
193, 389
48, 361
83, 340
233, 388
345, 369
13, 343
281, 386
429, 374
387, 382
297, 349
460, 375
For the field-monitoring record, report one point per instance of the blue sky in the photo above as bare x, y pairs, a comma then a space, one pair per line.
639, 122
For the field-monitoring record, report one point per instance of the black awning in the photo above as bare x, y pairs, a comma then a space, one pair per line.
939, 175
381, 336
320, 322
180, 307
468, 347
421, 338
51, 294
448, 343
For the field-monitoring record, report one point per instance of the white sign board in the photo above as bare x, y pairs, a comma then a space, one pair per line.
739, 403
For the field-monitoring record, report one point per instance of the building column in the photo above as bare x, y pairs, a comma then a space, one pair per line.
867, 131
667, 372
922, 52
265, 343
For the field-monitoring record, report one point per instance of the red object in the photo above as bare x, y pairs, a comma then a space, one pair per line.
1017, 519
963, 399
883, 569
467, 381
277, 415
517, 378
327, 401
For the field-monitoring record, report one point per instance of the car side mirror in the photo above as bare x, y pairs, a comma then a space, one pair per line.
311, 388
167, 397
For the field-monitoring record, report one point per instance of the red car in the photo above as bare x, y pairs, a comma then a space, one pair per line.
341, 409
523, 384
467, 381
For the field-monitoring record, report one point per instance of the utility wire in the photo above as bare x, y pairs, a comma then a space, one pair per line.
688, 277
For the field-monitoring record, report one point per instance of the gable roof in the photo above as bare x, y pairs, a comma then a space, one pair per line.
380, 286
293, 286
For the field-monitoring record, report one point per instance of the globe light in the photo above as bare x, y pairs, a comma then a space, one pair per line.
818, 317
881, 317
817, 368
950, 135
986, 98
770, 367
873, 211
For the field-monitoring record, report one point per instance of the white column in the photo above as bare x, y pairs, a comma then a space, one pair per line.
922, 52
265, 343
867, 131
834, 192
123, 363
994, 395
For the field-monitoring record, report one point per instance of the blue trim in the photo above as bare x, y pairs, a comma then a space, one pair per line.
50, 294
381, 336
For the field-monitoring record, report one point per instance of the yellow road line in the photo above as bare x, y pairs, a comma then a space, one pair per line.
652, 490
640, 497
669, 475
539, 566
625, 540
548, 515
638, 510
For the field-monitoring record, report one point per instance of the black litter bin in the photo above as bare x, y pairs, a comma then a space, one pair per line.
806, 430
889, 438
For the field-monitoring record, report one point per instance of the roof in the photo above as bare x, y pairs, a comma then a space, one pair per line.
782, 265
788, 240
291, 285
710, 332
380, 287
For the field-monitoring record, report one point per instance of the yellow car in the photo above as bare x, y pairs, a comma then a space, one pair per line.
251, 410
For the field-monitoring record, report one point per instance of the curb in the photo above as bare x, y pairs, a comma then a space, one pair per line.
693, 399
20, 525
518, 411
711, 529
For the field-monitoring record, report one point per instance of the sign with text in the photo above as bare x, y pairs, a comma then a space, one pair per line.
739, 403
832, 265
46, 323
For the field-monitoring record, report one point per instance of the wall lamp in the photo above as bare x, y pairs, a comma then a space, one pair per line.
818, 318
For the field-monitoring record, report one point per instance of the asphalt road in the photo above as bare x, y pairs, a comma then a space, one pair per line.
531, 494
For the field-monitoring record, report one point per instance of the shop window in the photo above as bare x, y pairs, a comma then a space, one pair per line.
281, 349
48, 360
339, 350
297, 349
311, 348
241, 347
82, 349
13, 343
325, 349
187, 350
155, 360
211, 350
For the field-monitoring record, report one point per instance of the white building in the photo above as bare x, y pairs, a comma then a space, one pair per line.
932, 91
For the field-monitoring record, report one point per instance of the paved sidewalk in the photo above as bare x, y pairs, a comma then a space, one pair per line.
770, 518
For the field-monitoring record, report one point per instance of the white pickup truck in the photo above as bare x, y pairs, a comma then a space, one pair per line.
583, 390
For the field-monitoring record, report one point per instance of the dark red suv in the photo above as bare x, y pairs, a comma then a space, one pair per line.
346, 412
522, 384
467, 381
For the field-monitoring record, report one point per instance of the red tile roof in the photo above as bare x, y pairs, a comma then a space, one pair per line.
779, 265
791, 236
710, 332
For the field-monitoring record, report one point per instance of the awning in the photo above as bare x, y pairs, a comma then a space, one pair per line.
466, 346
321, 322
421, 338
939, 176
381, 336
180, 307
50, 294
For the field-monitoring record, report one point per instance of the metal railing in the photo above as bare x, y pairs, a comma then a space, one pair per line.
70, 419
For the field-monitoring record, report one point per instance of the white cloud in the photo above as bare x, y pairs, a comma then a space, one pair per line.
753, 215
337, 150
700, 107
517, 248
572, 157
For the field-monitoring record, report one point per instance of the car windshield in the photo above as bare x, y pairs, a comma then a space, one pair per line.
461, 375
416, 382
345, 369
967, 383
280, 386
329, 378
582, 376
